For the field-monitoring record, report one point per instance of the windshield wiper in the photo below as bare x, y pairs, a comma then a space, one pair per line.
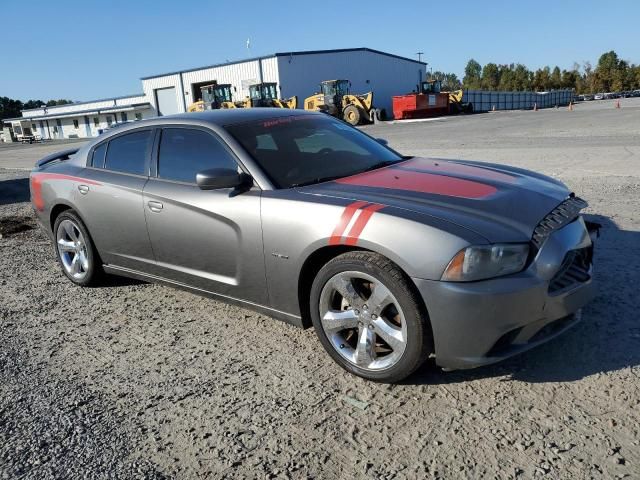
317, 180
378, 165
375, 166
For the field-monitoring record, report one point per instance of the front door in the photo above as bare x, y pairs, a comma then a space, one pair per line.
87, 126
59, 129
206, 239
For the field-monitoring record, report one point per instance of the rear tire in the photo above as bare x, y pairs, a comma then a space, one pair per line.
368, 318
352, 115
75, 251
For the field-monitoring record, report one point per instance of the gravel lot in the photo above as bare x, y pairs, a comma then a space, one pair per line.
133, 380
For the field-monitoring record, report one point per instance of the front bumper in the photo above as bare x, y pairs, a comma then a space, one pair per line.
479, 323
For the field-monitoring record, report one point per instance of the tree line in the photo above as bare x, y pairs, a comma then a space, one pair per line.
611, 74
10, 108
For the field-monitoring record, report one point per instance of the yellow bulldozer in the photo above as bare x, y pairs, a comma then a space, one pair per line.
265, 95
335, 99
213, 97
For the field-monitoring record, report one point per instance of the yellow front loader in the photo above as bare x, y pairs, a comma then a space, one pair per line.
265, 95
335, 99
213, 97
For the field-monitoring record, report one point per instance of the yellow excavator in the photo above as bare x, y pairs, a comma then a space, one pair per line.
213, 97
335, 99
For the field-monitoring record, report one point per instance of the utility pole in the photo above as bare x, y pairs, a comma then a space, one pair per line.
419, 55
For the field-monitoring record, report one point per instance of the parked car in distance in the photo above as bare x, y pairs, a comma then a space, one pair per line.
392, 259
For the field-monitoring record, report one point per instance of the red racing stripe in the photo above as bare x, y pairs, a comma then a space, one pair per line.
360, 223
36, 185
61, 176
396, 179
347, 214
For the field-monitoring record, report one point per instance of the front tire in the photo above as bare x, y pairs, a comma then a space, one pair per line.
75, 250
352, 115
368, 318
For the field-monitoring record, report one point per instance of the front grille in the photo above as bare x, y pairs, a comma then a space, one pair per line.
575, 269
563, 214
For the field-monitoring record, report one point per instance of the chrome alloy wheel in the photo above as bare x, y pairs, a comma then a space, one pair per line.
72, 249
363, 320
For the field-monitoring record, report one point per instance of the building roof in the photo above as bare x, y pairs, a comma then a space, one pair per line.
87, 102
285, 54
94, 111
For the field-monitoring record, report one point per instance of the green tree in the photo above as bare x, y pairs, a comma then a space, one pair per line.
607, 71
521, 78
490, 77
472, 75
448, 81
9, 108
33, 104
555, 82
52, 103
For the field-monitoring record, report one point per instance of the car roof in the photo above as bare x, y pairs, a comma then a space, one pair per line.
229, 116
218, 118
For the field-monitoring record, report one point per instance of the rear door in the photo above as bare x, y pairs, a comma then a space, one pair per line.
209, 239
111, 202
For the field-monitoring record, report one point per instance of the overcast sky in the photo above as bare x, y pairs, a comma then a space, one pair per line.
82, 50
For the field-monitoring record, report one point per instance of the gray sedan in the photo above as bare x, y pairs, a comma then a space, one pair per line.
392, 259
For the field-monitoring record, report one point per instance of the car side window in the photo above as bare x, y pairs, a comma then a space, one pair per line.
184, 152
128, 153
97, 159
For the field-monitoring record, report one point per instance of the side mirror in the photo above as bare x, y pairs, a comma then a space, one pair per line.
217, 178
382, 141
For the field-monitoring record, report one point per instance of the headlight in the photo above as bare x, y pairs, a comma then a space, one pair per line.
486, 261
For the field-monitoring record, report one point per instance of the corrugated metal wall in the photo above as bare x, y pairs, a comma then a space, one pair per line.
368, 71
485, 101
239, 75
150, 85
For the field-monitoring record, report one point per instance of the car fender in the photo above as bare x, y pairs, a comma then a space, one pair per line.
294, 231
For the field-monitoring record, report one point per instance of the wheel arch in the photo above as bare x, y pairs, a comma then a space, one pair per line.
319, 257
56, 210
63, 206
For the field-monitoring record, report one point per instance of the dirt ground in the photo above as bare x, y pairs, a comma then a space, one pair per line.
134, 380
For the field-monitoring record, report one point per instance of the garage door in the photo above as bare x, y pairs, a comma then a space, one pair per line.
167, 101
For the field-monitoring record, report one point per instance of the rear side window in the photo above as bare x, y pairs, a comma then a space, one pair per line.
98, 155
128, 153
184, 152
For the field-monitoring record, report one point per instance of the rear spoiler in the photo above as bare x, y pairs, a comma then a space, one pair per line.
62, 155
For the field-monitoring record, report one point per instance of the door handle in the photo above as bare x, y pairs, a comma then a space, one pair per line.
155, 207
84, 189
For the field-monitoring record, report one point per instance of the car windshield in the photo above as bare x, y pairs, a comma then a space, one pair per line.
302, 150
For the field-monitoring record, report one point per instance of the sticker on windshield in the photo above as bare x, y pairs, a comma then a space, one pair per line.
285, 120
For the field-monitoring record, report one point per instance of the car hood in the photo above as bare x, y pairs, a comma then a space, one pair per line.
500, 203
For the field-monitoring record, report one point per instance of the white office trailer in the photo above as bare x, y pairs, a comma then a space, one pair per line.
79, 120
294, 73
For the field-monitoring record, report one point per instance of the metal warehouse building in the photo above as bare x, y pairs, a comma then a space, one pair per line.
295, 73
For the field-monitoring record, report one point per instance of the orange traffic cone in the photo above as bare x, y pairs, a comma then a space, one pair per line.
571, 106
618, 104
535, 107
